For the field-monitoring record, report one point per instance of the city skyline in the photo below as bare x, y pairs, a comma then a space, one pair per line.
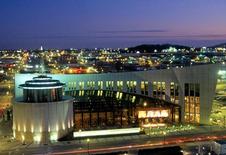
90, 24
112, 77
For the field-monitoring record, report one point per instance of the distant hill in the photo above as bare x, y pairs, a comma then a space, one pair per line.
219, 45
145, 48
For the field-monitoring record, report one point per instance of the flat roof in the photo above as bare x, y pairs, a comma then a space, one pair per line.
221, 141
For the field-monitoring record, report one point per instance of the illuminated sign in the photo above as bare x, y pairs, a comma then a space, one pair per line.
106, 132
153, 114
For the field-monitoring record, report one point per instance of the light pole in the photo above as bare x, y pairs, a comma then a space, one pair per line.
80, 135
224, 121
88, 144
164, 136
210, 123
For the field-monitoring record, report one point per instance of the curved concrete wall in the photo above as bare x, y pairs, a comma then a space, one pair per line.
42, 122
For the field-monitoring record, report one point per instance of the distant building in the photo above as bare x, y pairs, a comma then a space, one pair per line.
41, 48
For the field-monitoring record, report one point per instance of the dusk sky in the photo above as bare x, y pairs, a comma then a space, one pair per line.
110, 23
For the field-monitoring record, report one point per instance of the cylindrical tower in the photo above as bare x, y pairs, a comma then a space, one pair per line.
43, 114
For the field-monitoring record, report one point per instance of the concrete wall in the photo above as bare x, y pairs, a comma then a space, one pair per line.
42, 122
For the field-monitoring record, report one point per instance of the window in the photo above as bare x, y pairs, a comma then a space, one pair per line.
119, 85
110, 85
192, 102
154, 89
144, 87
159, 89
90, 85
81, 85
131, 86
100, 85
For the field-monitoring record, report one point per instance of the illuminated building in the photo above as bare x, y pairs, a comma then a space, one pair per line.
110, 109
191, 88
42, 114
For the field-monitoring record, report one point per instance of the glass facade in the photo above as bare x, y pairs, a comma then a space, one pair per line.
100, 85
109, 85
72, 85
174, 92
91, 85
144, 87
131, 86
95, 109
192, 102
44, 89
119, 85
42, 95
81, 85
159, 90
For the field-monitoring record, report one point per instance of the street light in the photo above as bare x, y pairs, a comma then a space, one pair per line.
80, 135
88, 144
164, 136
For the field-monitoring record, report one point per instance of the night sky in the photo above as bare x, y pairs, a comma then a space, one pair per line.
110, 23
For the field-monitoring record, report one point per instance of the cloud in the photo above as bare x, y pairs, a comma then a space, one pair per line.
162, 36
134, 31
207, 36
120, 35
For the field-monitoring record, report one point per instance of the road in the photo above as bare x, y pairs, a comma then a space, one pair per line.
112, 144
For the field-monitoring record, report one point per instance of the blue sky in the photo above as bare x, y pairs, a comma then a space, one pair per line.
110, 23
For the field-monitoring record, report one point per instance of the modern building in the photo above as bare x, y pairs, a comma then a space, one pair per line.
42, 113
107, 109
191, 88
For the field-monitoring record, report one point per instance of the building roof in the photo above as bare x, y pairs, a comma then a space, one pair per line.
42, 82
221, 141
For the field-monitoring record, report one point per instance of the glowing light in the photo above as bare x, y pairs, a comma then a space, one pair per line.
37, 137
54, 136
154, 125
106, 132
32, 128
141, 114
52, 87
24, 128
68, 124
63, 126
23, 138
38, 83
72, 123
153, 114
14, 126
40, 129
221, 72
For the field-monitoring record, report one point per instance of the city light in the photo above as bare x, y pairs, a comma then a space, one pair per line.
115, 77
153, 113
